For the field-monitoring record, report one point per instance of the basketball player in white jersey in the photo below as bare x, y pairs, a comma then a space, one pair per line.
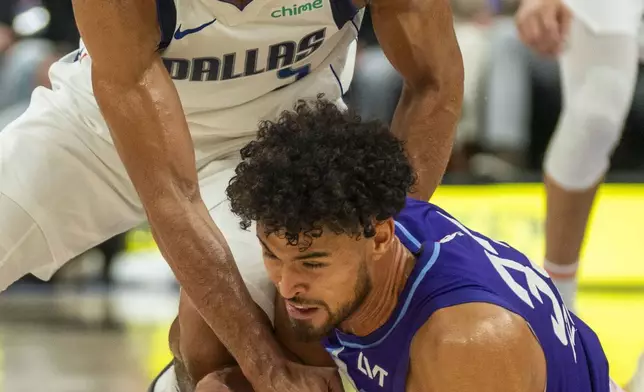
597, 44
145, 120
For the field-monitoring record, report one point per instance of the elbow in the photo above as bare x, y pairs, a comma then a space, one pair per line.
166, 196
444, 93
441, 86
186, 187
441, 81
452, 81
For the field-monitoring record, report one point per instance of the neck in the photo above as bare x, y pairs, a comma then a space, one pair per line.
389, 277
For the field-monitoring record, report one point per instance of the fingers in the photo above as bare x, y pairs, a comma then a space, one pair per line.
544, 27
529, 30
334, 381
565, 18
335, 384
211, 387
211, 383
552, 40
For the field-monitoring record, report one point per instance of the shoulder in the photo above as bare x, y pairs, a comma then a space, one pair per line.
476, 347
472, 324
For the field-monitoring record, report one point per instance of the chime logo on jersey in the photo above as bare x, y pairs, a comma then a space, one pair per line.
277, 57
297, 9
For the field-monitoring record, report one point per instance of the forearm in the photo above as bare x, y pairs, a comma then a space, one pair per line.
418, 38
426, 120
214, 285
156, 148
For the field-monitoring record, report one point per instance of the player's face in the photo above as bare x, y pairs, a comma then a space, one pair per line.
321, 285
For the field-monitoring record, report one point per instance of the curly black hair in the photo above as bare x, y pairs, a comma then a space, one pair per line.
317, 168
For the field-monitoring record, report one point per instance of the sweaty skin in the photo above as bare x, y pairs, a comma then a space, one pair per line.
196, 349
417, 36
142, 108
378, 306
476, 347
469, 347
389, 276
199, 356
199, 352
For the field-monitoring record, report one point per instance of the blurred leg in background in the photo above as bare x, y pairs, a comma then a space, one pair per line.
512, 70
599, 72
25, 67
472, 31
110, 250
376, 85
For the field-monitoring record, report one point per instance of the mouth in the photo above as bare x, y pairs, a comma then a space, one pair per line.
301, 312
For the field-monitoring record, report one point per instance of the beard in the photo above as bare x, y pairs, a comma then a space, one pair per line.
305, 331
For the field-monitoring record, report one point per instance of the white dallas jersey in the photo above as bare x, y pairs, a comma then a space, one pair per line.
234, 67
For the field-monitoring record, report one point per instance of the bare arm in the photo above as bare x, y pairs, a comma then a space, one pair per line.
142, 108
196, 346
476, 347
417, 36
203, 358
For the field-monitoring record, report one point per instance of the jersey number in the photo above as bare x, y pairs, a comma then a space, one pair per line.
562, 323
298, 72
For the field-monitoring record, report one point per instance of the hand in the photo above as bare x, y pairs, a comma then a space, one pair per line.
292, 377
300, 378
211, 383
543, 25
226, 380
6, 38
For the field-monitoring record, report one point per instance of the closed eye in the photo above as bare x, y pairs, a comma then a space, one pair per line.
313, 265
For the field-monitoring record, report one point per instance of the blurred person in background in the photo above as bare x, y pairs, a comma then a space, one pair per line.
522, 103
6, 34
33, 34
474, 22
377, 85
512, 72
597, 45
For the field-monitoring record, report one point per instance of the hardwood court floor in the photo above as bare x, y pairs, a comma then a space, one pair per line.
63, 341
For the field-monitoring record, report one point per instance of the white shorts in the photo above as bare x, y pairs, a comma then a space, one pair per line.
166, 381
63, 190
609, 16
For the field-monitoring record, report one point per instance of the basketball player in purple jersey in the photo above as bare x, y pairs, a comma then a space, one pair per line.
403, 296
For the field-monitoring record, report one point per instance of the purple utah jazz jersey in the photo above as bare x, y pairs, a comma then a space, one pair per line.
456, 265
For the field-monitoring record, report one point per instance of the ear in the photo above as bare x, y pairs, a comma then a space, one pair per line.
384, 238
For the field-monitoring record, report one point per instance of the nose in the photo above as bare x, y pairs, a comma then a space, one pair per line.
291, 283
